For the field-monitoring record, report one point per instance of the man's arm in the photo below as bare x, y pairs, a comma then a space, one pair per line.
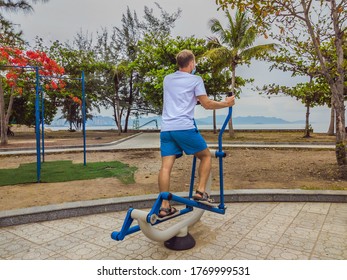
209, 104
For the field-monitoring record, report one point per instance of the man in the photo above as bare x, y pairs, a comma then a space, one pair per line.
179, 134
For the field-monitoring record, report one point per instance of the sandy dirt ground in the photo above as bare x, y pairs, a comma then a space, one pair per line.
243, 169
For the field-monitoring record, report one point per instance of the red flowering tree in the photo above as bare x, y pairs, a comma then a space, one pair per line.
15, 78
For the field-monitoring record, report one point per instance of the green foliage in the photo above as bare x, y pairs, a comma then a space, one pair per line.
233, 45
63, 171
116, 51
156, 59
314, 93
74, 62
23, 111
9, 36
320, 23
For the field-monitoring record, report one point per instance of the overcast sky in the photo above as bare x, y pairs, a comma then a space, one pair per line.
62, 19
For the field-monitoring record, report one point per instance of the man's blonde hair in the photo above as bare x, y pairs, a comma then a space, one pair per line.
184, 57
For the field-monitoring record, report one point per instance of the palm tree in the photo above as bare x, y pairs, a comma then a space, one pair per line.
234, 46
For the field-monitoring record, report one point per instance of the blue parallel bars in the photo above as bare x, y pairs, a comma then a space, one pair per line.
39, 117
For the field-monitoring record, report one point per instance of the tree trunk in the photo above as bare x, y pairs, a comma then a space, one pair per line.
336, 83
9, 107
118, 121
117, 114
340, 135
338, 90
331, 130
130, 101
116, 107
214, 122
307, 125
3, 125
233, 81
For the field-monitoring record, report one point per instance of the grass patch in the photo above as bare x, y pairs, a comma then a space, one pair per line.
63, 171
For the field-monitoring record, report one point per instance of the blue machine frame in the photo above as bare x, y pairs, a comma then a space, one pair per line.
190, 204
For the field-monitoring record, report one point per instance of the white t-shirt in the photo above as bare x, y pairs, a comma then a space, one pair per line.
180, 97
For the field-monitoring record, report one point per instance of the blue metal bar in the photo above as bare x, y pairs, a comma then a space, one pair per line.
221, 183
221, 155
156, 208
125, 228
43, 124
84, 119
156, 123
37, 126
62, 78
220, 136
192, 178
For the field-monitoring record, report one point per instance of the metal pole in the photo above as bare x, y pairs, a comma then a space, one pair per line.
43, 124
37, 126
220, 149
84, 119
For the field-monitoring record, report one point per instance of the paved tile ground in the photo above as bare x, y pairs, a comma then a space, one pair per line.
251, 231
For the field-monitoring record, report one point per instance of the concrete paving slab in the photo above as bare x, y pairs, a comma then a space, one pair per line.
239, 234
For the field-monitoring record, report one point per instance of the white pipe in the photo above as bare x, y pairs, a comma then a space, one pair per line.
162, 235
179, 228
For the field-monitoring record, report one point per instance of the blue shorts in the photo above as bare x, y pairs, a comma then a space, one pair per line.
176, 142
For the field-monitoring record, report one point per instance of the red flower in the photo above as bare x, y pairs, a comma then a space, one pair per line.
54, 85
19, 58
61, 84
4, 53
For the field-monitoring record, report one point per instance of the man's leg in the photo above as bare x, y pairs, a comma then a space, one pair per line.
204, 168
167, 163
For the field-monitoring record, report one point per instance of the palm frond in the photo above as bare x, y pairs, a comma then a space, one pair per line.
248, 38
220, 57
236, 41
257, 51
217, 28
213, 42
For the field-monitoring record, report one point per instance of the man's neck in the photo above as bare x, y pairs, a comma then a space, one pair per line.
186, 70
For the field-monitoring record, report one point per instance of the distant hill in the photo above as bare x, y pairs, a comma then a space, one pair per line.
96, 121
109, 121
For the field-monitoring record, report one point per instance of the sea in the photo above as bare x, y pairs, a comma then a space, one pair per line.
317, 127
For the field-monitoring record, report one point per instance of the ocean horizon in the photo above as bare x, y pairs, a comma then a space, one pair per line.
317, 127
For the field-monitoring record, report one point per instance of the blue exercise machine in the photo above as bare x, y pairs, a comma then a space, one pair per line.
176, 237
